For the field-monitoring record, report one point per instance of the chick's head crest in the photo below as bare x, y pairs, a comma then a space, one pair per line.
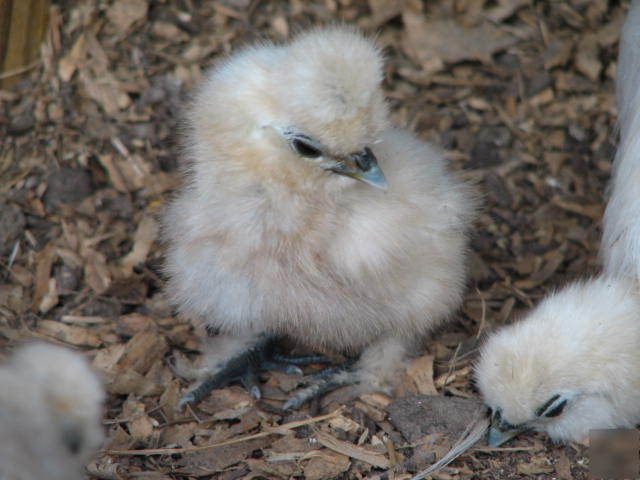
314, 102
330, 88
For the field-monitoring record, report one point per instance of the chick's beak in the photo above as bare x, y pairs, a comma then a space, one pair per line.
499, 436
362, 166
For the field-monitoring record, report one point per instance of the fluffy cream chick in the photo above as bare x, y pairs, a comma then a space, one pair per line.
286, 225
620, 248
50, 414
571, 365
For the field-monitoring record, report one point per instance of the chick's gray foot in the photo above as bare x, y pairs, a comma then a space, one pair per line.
242, 366
323, 382
245, 366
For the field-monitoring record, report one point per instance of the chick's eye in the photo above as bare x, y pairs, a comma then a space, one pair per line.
306, 149
552, 407
557, 410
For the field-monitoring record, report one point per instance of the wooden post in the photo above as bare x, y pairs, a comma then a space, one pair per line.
23, 26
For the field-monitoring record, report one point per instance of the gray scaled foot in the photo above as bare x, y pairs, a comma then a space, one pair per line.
244, 367
323, 382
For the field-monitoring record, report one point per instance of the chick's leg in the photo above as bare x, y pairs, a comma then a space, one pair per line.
375, 370
228, 358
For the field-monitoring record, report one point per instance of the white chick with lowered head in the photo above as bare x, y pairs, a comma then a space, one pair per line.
307, 215
570, 366
50, 414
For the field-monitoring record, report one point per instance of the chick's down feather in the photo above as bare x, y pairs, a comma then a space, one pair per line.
50, 414
307, 214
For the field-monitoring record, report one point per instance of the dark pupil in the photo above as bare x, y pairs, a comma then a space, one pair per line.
557, 410
305, 149
543, 408
365, 160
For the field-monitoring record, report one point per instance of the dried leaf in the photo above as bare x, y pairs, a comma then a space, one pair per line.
351, 450
504, 9
587, 57
563, 467
50, 298
96, 272
558, 52
537, 466
142, 242
106, 359
281, 469
143, 350
420, 371
126, 174
124, 13
591, 211
71, 334
432, 42
325, 465
44, 261
68, 64
139, 424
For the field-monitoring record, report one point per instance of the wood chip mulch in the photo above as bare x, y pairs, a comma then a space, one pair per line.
519, 93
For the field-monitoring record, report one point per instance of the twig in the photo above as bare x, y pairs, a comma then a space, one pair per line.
280, 430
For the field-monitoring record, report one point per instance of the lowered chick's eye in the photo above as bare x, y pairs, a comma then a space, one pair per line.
552, 407
557, 410
306, 149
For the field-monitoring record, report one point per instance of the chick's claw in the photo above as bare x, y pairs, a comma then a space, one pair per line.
334, 371
242, 366
281, 367
251, 383
326, 381
245, 366
302, 361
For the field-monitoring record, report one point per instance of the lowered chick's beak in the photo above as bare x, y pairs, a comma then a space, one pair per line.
362, 166
498, 436
500, 431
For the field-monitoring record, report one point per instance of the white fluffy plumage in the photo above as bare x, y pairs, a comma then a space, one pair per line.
579, 345
268, 239
573, 363
50, 414
621, 233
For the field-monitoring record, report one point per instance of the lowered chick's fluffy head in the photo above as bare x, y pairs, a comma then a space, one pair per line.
312, 107
570, 366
